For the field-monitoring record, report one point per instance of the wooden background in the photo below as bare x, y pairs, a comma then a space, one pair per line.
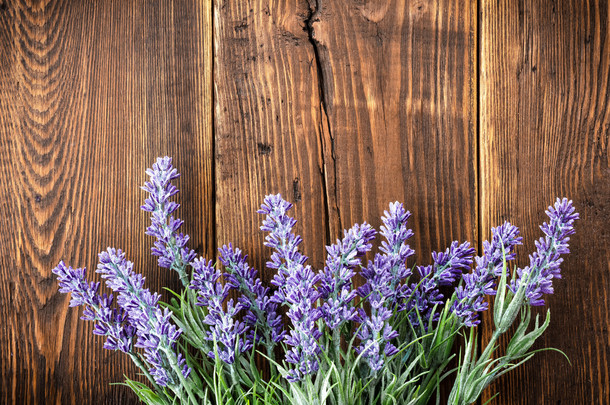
469, 112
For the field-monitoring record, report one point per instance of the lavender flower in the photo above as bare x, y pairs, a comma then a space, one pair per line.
304, 335
481, 282
374, 333
225, 331
336, 286
545, 261
170, 245
447, 267
295, 284
286, 255
155, 334
384, 287
109, 322
261, 313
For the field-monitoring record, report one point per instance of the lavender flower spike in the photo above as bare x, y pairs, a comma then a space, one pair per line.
336, 286
296, 287
225, 331
447, 267
286, 256
545, 261
261, 313
109, 322
170, 245
155, 333
481, 282
384, 289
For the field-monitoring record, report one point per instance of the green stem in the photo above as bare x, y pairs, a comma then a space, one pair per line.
337, 345
173, 361
490, 347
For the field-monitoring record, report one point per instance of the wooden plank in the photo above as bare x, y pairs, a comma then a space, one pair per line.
267, 125
399, 91
90, 94
545, 132
352, 107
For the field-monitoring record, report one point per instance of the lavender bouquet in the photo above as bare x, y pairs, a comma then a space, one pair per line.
320, 339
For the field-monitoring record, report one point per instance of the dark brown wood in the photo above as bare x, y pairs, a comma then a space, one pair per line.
268, 125
545, 132
90, 94
399, 92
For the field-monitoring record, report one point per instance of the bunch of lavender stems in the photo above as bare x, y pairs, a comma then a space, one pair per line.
389, 340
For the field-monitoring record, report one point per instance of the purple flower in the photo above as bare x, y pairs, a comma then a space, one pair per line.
109, 322
384, 288
447, 267
225, 331
304, 335
545, 261
155, 333
470, 297
261, 313
296, 287
374, 333
170, 245
336, 286
386, 274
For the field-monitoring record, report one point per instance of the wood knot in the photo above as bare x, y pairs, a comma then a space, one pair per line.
264, 148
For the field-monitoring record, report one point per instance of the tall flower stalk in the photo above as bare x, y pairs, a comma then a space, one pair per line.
155, 333
264, 323
170, 245
296, 289
384, 288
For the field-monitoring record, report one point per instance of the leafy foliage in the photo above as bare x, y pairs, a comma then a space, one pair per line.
390, 341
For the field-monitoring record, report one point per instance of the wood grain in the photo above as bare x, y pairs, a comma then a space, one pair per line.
334, 100
399, 94
545, 132
268, 124
91, 93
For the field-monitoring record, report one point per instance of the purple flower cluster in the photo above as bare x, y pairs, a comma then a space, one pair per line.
447, 267
110, 322
545, 261
384, 288
138, 318
386, 274
170, 245
470, 297
336, 288
295, 287
314, 300
155, 333
261, 313
225, 331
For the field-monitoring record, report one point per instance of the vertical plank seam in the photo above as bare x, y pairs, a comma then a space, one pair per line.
212, 81
478, 132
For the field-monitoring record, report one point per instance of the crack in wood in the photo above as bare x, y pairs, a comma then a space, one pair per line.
315, 8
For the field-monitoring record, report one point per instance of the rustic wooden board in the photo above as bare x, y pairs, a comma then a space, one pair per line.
545, 132
346, 108
267, 125
90, 94
399, 92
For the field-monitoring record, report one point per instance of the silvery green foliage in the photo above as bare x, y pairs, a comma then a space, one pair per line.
391, 340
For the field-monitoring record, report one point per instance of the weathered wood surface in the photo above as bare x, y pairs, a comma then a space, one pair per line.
545, 132
468, 113
90, 93
398, 90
